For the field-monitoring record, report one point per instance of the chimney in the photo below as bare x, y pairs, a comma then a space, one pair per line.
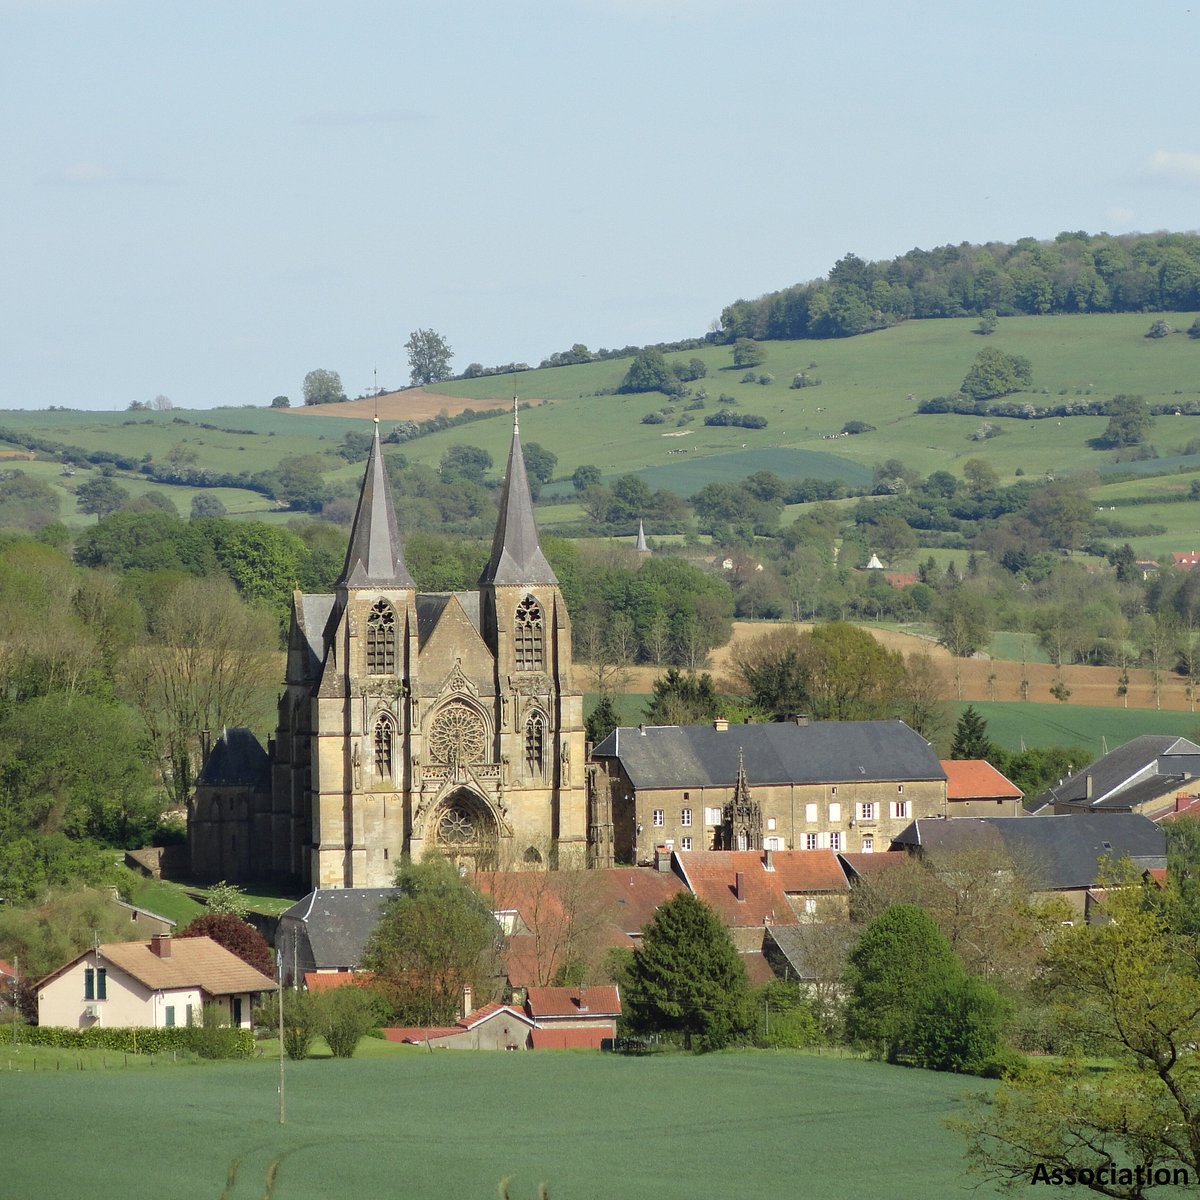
1087, 787
205, 744
468, 1001
721, 725
739, 886
642, 730
160, 945
801, 719
768, 860
662, 858
1182, 800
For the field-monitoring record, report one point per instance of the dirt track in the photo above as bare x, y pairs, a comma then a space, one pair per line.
413, 404
979, 678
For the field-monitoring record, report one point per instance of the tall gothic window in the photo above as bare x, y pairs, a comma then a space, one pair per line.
381, 639
385, 739
535, 744
530, 640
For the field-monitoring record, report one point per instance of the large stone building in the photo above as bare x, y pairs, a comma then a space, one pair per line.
828, 785
413, 723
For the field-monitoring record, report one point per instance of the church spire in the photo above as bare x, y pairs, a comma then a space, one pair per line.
517, 556
641, 546
375, 556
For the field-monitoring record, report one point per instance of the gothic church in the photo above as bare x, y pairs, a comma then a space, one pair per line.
410, 723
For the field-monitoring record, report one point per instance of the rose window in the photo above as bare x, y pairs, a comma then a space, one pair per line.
457, 735
456, 827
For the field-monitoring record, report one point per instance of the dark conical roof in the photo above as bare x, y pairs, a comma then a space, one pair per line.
375, 556
517, 556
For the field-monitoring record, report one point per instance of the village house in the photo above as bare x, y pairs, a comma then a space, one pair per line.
567, 1018
792, 785
154, 984
974, 788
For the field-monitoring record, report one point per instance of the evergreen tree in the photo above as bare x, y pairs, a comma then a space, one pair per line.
970, 736
687, 978
602, 720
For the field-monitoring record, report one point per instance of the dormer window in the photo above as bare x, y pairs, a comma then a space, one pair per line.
530, 643
381, 639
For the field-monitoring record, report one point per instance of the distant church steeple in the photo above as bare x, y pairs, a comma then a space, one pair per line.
517, 556
640, 546
375, 556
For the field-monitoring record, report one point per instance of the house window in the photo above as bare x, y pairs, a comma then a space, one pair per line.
190, 1016
900, 788
833, 790
835, 812
659, 818
529, 638
101, 983
835, 841
866, 812
687, 795
170, 1016
685, 843
712, 816
810, 906
900, 809
810, 813
535, 744
773, 843
868, 843
812, 841
89, 984
685, 816
385, 733
770, 822
381, 639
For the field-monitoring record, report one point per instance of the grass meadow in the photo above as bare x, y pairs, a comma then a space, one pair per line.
407, 1123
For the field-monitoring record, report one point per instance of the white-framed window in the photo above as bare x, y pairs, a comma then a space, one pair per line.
900, 810
866, 811
685, 843
835, 812
812, 841
712, 816
773, 843
659, 818
900, 789
810, 813
685, 816
835, 841
810, 906
868, 843
770, 822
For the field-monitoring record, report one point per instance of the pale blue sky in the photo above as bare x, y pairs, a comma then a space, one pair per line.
209, 199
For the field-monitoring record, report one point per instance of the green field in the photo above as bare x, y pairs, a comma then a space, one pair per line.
1099, 730
413, 1124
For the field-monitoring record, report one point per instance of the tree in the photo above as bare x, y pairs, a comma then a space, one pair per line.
100, 496
1127, 988
649, 373
429, 356
280, 402
207, 506
539, 465
1129, 420
683, 699
465, 462
584, 477
748, 353
687, 978
323, 387
961, 618
997, 373
970, 736
988, 321
236, 936
435, 936
1062, 513
227, 899
208, 655
602, 720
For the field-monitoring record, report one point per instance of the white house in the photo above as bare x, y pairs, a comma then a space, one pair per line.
154, 984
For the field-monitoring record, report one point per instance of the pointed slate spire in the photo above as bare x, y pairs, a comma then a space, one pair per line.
375, 556
517, 556
641, 546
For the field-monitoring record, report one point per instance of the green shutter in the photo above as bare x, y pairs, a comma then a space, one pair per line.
101, 983
170, 1015
89, 984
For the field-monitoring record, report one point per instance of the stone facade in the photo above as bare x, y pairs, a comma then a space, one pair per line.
414, 723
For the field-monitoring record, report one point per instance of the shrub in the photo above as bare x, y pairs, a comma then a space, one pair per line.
345, 1015
134, 1040
766, 379
653, 418
1159, 329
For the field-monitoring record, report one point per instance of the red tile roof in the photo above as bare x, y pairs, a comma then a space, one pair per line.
7, 970
1186, 558
549, 1003
977, 779
324, 981
1182, 806
712, 876
758, 969
487, 1011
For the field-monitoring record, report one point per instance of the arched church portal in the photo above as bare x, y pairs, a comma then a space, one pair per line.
465, 831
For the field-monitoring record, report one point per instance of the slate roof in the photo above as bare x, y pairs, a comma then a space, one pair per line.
1058, 852
1161, 760
431, 605
516, 556
337, 923
312, 615
193, 962
792, 945
977, 779
375, 555
659, 756
237, 759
